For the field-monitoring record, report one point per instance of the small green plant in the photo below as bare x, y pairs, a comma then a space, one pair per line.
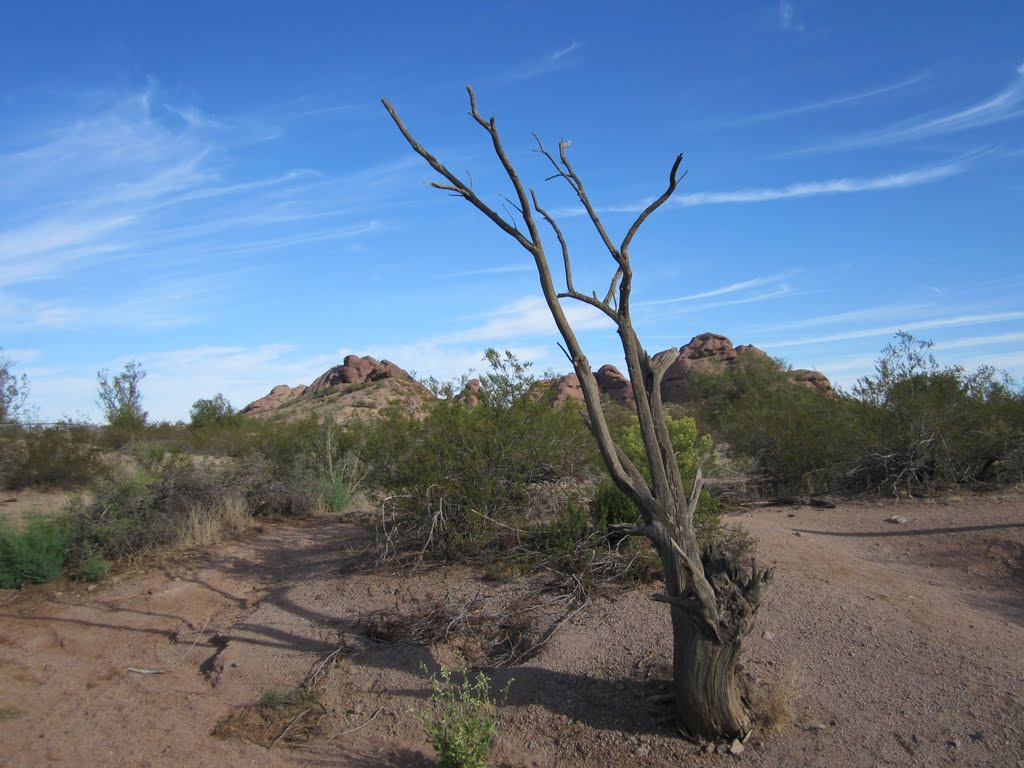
34, 555
92, 569
462, 720
215, 411
274, 697
120, 396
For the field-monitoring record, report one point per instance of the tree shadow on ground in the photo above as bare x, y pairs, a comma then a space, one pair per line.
911, 531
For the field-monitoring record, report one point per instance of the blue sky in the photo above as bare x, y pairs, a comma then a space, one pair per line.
215, 190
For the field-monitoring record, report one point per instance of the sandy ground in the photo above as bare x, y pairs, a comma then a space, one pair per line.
906, 642
17, 506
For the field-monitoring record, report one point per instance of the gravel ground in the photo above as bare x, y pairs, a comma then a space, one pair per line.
899, 644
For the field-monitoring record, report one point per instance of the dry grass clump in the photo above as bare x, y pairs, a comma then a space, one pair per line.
481, 632
776, 703
286, 716
209, 524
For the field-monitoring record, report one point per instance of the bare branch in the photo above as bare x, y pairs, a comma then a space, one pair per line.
561, 238
505, 198
611, 288
456, 184
510, 171
559, 173
594, 302
582, 194
628, 529
565, 351
673, 182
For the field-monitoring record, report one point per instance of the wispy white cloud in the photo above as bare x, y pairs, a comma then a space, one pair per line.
524, 318
547, 64
565, 51
839, 186
787, 16
980, 341
725, 289
885, 311
502, 270
1008, 104
823, 104
888, 330
798, 190
156, 187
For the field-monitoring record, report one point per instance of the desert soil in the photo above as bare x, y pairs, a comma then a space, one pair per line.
904, 643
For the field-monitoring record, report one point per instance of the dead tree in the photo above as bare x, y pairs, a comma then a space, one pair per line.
711, 598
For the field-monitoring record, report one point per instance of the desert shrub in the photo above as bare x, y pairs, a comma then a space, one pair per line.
931, 426
911, 426
796, 439
92, 568
120, 397
213, 411
462, 720
458, 480
13, 391
137, 509
34, 554
60, 456
609, 506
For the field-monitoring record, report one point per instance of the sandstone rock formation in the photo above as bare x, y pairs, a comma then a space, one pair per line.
381, 383
562, 390
384, 383
357, 370
277, 397
812, 379
613, 383
701, 353
470, 394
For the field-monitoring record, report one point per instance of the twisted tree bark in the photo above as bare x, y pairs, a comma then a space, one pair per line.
712, 599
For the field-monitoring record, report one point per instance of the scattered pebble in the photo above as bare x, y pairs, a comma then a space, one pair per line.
736, 747
898, 519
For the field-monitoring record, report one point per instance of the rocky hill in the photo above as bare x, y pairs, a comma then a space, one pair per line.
702, 352
358, 387
363, 385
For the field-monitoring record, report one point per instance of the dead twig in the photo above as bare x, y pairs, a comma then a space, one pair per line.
288, 727
361, 725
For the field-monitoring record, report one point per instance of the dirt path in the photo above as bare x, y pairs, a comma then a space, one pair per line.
905, 638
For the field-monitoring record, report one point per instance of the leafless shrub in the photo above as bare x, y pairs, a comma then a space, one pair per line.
485, 632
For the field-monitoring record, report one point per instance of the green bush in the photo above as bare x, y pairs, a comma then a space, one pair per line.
609, 506
213, 411
932, 426
60, 456
33, 555
462, 720
911, 426
120, 397
458, 479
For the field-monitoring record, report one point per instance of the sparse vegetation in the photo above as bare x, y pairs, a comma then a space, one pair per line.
464, 479
34, 554
215, 411
912, 427
461, 721
120, 397
13, 391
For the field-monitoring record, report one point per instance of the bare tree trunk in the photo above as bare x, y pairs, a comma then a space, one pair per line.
711, 598
707, 692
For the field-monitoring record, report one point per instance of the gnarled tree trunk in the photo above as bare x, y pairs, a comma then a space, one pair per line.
711, 598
